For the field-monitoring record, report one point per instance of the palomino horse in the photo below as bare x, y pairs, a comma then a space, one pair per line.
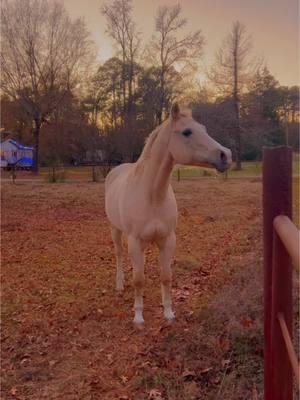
140, 201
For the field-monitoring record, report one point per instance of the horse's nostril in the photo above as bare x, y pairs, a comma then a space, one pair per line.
223, 156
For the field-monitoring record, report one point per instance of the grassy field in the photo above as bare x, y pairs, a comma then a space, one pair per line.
250, 169
67, 334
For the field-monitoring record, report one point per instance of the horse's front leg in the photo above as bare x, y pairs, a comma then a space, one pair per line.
166, 252
136, 253
117, 239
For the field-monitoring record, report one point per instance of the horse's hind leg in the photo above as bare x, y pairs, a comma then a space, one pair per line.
117, 239
136, 253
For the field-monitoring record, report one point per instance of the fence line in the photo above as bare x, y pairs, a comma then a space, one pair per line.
289, 235
289, 347
280, 244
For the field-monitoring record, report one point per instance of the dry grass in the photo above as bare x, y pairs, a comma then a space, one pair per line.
67, 335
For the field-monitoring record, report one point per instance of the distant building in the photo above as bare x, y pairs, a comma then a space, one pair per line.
94, 156
14, 153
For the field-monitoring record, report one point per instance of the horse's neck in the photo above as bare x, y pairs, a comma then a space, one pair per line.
158, 168
160, 175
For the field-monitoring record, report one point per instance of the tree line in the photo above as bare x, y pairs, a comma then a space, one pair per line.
55, 96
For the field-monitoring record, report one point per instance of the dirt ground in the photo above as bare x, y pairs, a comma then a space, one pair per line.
68, 335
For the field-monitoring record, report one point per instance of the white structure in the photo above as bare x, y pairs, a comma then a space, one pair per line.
15, 153
95, 155
3, 162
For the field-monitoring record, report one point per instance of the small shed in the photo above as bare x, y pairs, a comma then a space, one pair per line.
15, 153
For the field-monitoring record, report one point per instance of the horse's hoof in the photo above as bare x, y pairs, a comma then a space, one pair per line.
170, 316
139, 325
170, 322
139, 322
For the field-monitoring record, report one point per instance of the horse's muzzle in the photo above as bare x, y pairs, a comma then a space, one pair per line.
224, 160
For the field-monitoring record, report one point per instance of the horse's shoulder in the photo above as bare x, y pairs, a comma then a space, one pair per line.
116, 172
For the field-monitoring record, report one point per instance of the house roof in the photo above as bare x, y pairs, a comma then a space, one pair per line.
18, 145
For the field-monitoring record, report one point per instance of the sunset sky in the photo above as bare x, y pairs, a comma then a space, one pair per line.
273, 25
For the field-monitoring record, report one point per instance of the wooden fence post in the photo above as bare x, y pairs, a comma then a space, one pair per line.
277, 189
13, 173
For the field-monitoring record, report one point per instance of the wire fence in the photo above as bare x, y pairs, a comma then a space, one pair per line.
97, 173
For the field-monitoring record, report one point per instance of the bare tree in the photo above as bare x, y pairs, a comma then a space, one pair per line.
231, 72
43, 56
122, 29
167, 50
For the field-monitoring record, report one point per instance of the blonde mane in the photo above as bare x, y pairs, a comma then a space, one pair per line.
150, 140
149, 143
186, 112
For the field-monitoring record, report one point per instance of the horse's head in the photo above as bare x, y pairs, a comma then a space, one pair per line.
191, 145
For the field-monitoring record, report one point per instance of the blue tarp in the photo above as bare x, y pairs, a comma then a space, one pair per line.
25, 162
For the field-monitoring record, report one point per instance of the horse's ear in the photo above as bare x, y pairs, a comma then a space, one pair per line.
175, 111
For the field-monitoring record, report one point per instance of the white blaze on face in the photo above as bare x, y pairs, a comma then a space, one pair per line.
190, 144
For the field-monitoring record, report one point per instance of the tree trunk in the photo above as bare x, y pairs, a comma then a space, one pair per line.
162, 97
114, 108
286, 128
237, 135
124, 86
130, 83
36, 136
238, 149
236, 100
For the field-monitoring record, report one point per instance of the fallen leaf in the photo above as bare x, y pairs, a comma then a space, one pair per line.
110, 358
188, 375
52, 363
191, 390
224, 343
155, 394
254, 393
13, 391
205, 370
225, 363
247, 322
124, 379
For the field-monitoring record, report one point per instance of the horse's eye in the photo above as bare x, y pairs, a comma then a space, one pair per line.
187, 132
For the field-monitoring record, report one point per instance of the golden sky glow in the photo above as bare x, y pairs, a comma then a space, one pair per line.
273, 25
